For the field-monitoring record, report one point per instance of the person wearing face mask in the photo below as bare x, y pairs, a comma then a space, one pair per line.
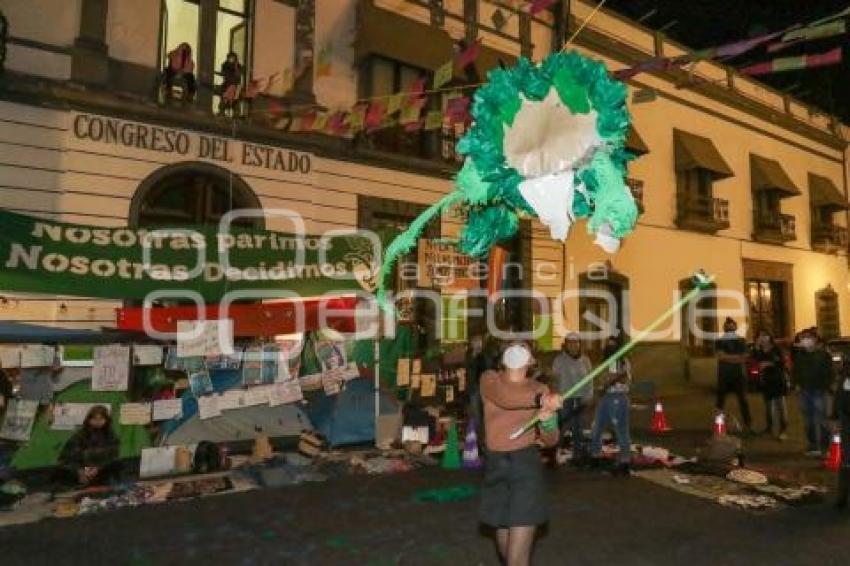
813, 374
513, 497
569, 367
774, 384
731, 374
613, 409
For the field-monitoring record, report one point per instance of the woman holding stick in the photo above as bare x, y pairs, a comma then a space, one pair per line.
513, 497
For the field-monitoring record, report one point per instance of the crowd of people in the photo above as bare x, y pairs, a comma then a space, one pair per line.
507, 389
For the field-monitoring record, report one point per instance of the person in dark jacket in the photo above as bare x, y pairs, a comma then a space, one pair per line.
180, 66
731, 375
231, 73
90, 457
774, 385
813, 374
841, 414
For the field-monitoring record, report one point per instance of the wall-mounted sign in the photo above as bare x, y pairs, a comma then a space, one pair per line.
188, 145
441, 265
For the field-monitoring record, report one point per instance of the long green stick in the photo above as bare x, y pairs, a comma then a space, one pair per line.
702, 282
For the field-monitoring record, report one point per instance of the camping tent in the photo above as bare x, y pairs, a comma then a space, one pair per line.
234, 424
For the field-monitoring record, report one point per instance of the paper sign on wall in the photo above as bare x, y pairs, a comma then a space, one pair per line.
200, 383
19, 420
10, 357
414, 434
37, 356
135, 414
461, 379
429, 385
111, 371
450, 394
415, 380
232, 399
402, 378
204, 338
147, 355
256, 396
167, 409
68, 416
208, 407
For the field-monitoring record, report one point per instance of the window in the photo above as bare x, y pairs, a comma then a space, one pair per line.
695, 189
385, 77
184, 21
767, 302
192, 195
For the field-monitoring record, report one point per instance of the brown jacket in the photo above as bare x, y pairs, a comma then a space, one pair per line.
508, 406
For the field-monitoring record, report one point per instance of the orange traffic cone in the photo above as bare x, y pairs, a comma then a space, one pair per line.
833, 459
720, 425
659, 421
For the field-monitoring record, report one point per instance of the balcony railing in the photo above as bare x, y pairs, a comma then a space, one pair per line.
774, 227
829, 237
636, 188
703, 214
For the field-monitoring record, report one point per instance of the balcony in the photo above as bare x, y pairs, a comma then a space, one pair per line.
636, 188
829, 238
702, 214
774, 227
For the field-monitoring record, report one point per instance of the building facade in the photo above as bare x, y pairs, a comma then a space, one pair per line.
732, 177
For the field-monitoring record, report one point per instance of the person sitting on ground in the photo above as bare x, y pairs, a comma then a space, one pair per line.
569, 367
90, 457
731, 371
774, 383
613, 409
841, 414
513, 496
813, 373
180, 65
231, 72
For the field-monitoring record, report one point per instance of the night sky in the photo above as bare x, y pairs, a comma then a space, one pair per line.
705, 23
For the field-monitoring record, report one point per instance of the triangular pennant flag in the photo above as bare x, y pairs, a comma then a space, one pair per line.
538, 6
375, 115
320, 122
357, 118
457, 109
443, 74
411, 112
469, 55
337, 123
433, 120
810, 33
394, 103
782, 64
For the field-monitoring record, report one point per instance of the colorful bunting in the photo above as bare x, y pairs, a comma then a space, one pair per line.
394, 103
538, 6
337, 123
783, 64
809, 33
457, 109
469, 55
357, 118
375, 115
410, 112
444, 74
320, 122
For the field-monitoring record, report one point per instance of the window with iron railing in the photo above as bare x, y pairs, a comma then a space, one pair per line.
696, 206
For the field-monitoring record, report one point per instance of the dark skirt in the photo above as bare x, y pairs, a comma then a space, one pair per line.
514, 491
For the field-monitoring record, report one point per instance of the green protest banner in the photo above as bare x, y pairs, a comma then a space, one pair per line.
42, 256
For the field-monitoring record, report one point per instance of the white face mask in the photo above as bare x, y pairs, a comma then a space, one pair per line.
807, 343
516, 357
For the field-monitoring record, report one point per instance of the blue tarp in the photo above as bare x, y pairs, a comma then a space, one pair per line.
349, 417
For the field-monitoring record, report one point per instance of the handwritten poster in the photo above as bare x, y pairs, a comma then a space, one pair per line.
19, 420
135, 414
111, 371
160, 461
144, 355
167, 409
256, 396
68, 416
232, 399
208, 407
331, 383
403, 372
204, 338
37, 356
10, 357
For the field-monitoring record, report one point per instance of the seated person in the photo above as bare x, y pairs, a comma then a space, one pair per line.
180, 66
90, 457
231, 72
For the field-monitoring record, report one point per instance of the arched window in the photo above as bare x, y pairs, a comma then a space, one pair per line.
192, 194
